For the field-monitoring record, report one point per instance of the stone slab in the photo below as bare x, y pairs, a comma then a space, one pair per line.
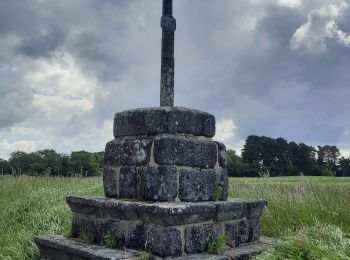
184, 151
60, 248
126, 151
163, 213
150, 121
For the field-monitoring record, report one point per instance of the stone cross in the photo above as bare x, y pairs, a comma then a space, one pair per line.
168, 24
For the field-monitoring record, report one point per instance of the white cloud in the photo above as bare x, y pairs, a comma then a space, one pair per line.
322, 24
289, 3
27, 146
225, 129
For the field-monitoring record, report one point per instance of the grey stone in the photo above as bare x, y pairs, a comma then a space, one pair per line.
222, 181
231, 230
136, 238
161, 183
88, 226
85, 206
197, 185
184, 151
111, 181
222, 158
122, 210
151, 121
197, 238
125, 151
229, 210
255, 208
128, 182
164, 241
118, 230
243, 232
254, 229
59, 248
176, 214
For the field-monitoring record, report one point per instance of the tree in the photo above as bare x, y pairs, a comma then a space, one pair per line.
5, 167
344, 167
235, 165
84, 164
328, 157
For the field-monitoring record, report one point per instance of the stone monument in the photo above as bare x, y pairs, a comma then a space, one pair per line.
165, 184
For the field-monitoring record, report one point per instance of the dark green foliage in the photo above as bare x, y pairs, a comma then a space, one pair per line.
218, 193
49, 163
264, 156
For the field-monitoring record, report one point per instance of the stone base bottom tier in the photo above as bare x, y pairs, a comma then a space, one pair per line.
165, 229
60, 248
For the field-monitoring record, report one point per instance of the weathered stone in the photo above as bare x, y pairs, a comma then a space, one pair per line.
255, 208
161, 183
243, 232
85, 206
176, 214
118, 230
184, 151
136, 238
150, 121
231, 230
222, 181
197, 238
229, 210
58, 248
111, 181
122, 210
125, 151
222, 158
254, 229
89, 227
128, 182
164, 241
196, 184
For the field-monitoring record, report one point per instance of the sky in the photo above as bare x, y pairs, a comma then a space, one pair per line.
279, 68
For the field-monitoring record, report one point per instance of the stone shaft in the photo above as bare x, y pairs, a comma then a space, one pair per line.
168, 24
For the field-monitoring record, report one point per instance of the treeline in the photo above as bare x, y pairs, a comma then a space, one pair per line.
49, 162
265, 156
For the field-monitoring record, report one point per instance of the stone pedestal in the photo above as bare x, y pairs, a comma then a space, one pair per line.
166, 188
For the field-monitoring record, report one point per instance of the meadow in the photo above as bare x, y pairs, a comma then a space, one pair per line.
299, 208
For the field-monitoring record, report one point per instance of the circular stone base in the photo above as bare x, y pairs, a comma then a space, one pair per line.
150, 121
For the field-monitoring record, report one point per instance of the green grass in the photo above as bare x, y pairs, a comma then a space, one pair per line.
32, 206
294, 201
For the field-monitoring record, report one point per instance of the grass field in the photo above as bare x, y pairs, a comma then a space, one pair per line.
32, 206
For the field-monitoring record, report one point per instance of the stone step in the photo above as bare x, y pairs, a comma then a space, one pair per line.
60, 248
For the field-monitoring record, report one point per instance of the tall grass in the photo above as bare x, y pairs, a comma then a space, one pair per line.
301, 201
31, 206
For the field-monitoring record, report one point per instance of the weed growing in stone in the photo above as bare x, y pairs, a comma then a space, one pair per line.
109, 240
144, 256
218, 193
218, 246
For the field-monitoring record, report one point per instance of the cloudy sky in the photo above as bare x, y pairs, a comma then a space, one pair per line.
279, 68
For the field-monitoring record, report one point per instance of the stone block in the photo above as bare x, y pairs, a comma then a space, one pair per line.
254, 229
176, 214
128, 182
136, 236
184, 151
160, 183
222, 158
238, 232
118, 230
164, 241
151, 121
85, 206
111, 181
197, 238
255, 208
242, 232
122, 210
196, 184
230, 210
222, 181
126, 151
231, 230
